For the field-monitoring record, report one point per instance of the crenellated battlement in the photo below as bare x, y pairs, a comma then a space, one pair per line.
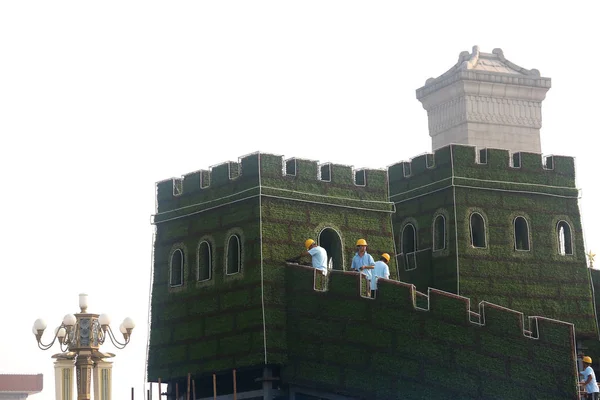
463, 165
398, 333
270, 174
447, 308
214, 177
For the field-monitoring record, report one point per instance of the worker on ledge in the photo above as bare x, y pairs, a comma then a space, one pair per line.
381, 270
318, 254
363, 262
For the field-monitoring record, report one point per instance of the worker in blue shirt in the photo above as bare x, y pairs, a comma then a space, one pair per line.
318, 254
381, 270
362, 261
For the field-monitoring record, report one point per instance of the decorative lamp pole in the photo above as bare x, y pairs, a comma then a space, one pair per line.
80, 337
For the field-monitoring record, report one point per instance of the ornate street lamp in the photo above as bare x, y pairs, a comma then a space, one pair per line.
80, 337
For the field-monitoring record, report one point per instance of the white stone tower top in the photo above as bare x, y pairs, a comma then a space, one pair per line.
485, 101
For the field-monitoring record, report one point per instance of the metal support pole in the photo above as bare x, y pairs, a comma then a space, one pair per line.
187, 394
234, 386
267, 383
215, 386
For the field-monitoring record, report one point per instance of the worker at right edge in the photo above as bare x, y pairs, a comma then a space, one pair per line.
589, 379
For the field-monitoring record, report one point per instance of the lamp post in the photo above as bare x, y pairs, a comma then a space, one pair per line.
80, 337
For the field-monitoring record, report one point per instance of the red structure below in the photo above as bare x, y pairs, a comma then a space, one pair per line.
21, 384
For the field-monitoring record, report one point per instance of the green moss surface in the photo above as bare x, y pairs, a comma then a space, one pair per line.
242, 318
536, 282
270, 313
412, 351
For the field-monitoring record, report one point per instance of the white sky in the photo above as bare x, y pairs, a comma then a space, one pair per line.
99, 100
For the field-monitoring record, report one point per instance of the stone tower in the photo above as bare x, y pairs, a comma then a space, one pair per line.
485, 101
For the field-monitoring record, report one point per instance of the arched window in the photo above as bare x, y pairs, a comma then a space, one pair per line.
439, 233
176, 268
330, 240
565, 238
204, 261
521, 234
477, 231
234, 259
409, 239
409, 246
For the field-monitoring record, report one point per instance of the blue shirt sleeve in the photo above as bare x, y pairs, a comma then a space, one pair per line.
355, 265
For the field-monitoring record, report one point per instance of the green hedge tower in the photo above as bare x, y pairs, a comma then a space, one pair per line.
222, 240
494, 227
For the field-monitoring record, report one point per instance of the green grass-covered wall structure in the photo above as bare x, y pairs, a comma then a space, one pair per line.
389, 348
274, 206
265, 314
457, 181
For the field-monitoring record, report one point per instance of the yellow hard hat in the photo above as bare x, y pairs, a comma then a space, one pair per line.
386, 256
361, 242
308, 243
587, 360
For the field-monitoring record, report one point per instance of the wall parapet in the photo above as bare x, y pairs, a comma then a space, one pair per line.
396, 335
443, 305
275, 174
495, 169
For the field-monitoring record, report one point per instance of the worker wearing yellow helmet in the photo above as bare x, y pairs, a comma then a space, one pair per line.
362, 261
380, 270
318, 254
589, 379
